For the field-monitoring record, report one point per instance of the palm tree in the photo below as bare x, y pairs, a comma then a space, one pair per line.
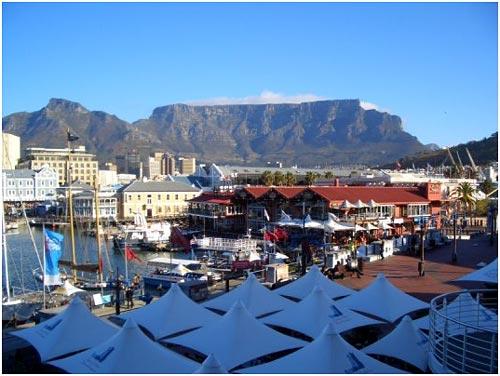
279, 178
464, 195
311, 176
267, 178
290, 179
328, 175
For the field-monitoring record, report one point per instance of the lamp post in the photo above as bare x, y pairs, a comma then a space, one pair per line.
421, 263
454, 254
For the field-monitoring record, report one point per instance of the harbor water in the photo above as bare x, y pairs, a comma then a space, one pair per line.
22, 257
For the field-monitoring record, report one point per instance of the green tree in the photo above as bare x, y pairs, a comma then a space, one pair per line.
290, 179
482, 207
487, 186
267, 178
328, 175
279, 178
311, 177
464, 195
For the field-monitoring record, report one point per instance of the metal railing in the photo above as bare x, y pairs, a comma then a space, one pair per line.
463, 332
224, 244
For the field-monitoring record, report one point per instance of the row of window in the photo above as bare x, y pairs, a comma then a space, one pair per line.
29, 183
150, 197
62, 157
160, 210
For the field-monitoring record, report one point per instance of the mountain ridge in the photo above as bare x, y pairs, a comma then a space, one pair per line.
309, 133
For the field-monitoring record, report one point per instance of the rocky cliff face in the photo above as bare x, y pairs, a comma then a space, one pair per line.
309, 134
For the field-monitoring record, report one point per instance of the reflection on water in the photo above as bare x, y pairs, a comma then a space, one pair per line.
23, 259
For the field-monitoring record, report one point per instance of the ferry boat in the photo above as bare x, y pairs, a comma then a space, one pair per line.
141, 236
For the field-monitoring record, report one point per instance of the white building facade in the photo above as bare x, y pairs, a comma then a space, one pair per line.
84, 204
30, 185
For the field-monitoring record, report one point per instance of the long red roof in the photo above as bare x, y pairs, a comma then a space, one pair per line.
381, 195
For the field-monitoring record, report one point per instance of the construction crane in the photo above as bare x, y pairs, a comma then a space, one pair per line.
453, 161
474, 167
460, 161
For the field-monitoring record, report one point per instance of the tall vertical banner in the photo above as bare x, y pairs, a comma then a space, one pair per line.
53, 252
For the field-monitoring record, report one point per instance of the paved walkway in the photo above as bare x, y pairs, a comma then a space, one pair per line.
439, 271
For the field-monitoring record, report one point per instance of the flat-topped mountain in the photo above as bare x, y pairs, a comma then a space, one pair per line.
313, 133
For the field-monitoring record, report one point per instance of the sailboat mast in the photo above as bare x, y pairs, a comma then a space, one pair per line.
97, 234
70, 207
6, 261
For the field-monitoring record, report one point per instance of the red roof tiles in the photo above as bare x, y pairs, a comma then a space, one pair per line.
381, 195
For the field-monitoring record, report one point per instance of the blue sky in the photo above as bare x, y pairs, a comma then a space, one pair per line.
434, 65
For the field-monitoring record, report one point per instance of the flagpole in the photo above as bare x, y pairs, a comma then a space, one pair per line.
43, 271
126, 262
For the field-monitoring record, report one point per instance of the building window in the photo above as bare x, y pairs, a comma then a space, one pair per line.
130, 210
185, 197
159, 197
176, 197
138, 197
149, 201
168, 197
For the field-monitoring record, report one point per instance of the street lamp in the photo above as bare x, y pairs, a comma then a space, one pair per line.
454, 254
421, 263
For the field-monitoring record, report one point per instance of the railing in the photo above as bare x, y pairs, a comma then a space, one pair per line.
223, 244
463, 332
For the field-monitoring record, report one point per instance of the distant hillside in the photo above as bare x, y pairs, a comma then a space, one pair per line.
308, 134
483, 152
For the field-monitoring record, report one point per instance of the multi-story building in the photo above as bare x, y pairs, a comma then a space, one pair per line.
108, 177
82, 165
111, 166
11, 151
155, 199
216, 212
84, 204
152, 167
168, 164
29, 185
187, 166
400, 206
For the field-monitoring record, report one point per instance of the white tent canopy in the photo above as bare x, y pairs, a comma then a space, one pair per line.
488, 274
372, 204
310, 223
370, 227
236, 338
211, 366
329, 353
181, 270
385, 226
257, 299
465, 309
332, 226
360, 204
303, 286
358, 228
128, 351
67, 289
405, 342
286, 220
313, 313
346, 205
382, 299
174, 312
74, 329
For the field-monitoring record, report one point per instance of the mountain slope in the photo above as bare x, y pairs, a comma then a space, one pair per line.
324, 132
483, 152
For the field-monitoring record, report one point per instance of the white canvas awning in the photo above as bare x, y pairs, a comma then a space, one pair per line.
464, 309
405, 342
257, 299
314, 312
346, 205
372, 204
303, 286
67, 289
236, 338
181, 270
329, 353
488, 274
382, 299
385, 226
370, 227
74, 329
286, 220
211, 366
174, 312
310, 223
332, 226
128, 351
360, 204
358, 228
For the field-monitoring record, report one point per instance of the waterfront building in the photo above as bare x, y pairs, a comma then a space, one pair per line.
29, 185
216, 211
155, 199
400, 206
108, 177
126, 178
83, 165
11, 150
84, 204
187, 166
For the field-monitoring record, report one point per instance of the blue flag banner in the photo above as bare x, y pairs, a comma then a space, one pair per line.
53, 252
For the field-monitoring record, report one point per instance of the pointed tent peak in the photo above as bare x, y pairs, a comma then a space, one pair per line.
174, 289
237, 306
251, 277
330, 330
381, 276
130, 324
406, 319
314, 269
372, 203
317, 290
211, 366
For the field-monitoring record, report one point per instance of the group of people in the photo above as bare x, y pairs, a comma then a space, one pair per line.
129, 290
339, 271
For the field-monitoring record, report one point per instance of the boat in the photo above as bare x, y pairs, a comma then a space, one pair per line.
141, 236
189, 275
